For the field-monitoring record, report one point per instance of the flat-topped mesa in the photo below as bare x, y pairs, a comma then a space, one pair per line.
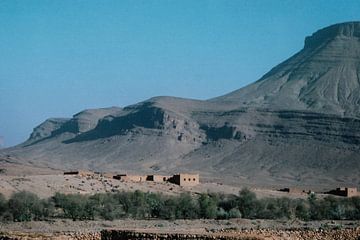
348, 29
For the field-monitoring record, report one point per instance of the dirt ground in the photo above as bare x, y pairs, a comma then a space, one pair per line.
267, 229
182, 226
47, 185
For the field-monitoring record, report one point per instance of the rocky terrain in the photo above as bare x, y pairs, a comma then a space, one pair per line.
45, 186
183, 229
298, 125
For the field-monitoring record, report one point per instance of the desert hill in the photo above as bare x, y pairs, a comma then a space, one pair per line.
298, 125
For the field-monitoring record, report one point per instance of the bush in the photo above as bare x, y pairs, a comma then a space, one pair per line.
169, 210
25, 206
234, 213
222, 214
208, 206
155, 203
187, 207
75, 206
301, 210
107, 207
248, 204
2, 204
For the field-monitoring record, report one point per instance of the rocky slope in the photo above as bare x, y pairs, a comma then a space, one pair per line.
298, 125
323, 77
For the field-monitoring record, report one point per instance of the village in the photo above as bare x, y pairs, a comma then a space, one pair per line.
181, 179
193, 179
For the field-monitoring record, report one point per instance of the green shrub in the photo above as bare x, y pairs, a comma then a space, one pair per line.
222, 214
208, 206
234, 213
25, 206
187, 207
248, 204
2, 204
155, 204
107, 207
169, 210
301, 210
75, 206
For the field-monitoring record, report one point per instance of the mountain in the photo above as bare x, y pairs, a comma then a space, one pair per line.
298, 125
322, 77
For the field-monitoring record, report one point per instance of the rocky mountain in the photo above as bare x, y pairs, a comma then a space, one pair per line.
322, 77
298, 125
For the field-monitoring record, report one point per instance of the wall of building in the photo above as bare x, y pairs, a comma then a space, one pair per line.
345, 192
184, 179
158, 178
133, 178
351, 192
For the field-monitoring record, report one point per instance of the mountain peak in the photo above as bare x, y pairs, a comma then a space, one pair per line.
323, 77
347, 29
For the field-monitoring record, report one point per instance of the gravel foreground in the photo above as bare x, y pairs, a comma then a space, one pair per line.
216, 229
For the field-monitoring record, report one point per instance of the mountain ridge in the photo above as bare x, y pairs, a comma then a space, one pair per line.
322, 77
298, 124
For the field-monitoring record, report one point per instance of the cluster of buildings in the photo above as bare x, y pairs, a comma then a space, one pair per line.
181, 179
343, 191
189, 180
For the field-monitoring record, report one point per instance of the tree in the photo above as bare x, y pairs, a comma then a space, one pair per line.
75, 206
25, 206
3, 203
248, 204
107, 206
208, 206
314, 208
301, 210
155, 203
234, 213
187, 208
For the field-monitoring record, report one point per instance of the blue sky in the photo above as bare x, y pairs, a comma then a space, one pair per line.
59, 57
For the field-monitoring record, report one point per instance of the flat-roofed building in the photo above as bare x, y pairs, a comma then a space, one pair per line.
133, 178
158, 178
82, 173
345, 192
185, 179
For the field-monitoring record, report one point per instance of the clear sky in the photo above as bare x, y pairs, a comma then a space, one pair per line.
58, 57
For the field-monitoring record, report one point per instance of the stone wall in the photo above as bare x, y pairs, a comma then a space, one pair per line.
133, 235
54, 236
319, 234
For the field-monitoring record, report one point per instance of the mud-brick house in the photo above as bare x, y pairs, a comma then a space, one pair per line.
293, 190
345, 192
185, 179
81, 173
133, 178
108, 175
157, 178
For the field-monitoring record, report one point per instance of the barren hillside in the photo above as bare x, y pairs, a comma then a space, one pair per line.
298, 125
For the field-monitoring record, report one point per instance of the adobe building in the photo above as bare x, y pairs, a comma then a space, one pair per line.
133, 178
81, 173
108, 175
185, 179
345, 192
157, 178
182, 179
293, 190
